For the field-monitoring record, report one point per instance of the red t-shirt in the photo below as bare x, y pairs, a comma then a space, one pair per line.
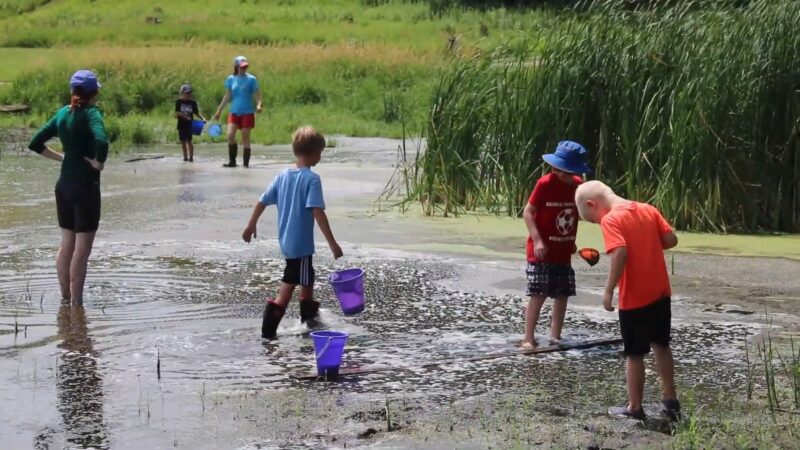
638, 227
556, 218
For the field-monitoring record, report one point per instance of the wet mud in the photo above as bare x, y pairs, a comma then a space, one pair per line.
166, 351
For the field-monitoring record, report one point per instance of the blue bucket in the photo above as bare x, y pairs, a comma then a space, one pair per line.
215, 130
328, 351
197, 127
348, 285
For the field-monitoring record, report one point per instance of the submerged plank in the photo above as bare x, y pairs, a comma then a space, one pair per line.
444, 362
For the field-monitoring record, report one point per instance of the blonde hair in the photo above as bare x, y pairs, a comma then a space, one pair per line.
306, 140
594, 190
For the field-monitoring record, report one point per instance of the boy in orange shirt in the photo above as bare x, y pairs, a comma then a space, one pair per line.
636, 236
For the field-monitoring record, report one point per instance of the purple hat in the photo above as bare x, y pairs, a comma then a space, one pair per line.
569, 157
84, 79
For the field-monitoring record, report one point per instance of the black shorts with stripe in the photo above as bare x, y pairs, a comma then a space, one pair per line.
299, 271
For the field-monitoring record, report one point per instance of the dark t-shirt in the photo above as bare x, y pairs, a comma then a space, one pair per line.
188, 107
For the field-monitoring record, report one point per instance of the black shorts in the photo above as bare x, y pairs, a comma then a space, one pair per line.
185, 133
78, 205
299, 271
642, 326
550, 280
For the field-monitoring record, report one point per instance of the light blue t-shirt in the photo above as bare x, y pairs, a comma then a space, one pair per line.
242, 90
295, 192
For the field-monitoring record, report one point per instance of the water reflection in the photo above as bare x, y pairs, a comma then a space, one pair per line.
190, 192
79, 385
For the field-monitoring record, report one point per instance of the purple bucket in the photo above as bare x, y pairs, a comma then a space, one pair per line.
328, 351
348, 285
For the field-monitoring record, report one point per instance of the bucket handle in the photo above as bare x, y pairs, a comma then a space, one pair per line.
325, 348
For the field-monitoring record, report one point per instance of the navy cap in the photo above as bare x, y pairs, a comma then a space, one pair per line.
84, 79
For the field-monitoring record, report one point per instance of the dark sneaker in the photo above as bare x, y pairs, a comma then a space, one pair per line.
623, 411
671, 409
230, 164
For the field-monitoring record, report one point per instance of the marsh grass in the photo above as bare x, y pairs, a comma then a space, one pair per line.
691, 108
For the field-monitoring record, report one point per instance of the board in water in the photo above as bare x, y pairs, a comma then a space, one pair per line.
516, 352
15, 109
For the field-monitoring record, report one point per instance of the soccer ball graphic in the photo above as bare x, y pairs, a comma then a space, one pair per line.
565, 221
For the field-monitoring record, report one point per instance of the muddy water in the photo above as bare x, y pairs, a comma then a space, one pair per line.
167, 352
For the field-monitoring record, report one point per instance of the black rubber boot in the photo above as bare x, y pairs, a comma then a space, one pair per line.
309, 313
246, 157
233, 150
273, 313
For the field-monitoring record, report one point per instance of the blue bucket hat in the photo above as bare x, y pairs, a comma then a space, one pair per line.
84, 79
569, 157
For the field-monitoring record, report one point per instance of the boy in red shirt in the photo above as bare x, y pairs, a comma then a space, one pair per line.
636, 236
552, 222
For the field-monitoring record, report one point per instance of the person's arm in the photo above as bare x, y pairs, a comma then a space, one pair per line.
258, 97
44, 134
225, 99
197, 111
619, 256
98, 130
52, 154
324, 226
250, 231
529, 216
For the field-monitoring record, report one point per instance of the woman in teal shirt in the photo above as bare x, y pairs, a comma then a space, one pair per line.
80, 128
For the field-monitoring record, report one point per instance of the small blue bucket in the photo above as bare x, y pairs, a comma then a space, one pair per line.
328, 351
215, 130
197, 127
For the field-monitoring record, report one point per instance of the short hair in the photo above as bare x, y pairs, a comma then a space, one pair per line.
591, 190
306, 140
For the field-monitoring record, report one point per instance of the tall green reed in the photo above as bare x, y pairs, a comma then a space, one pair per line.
693, 108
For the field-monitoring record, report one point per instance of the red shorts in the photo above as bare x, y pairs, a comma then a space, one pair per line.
242, 121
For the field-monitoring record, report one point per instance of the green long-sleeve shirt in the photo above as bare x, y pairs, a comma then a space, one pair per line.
82, 133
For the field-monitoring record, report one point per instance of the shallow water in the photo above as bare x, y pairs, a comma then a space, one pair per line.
173, 292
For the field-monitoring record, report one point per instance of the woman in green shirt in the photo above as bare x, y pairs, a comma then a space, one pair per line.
79, 126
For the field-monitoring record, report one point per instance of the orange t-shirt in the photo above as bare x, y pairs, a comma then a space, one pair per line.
638, 227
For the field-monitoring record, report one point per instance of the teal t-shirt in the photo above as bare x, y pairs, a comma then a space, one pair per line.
82, 133
295, 192
242, 89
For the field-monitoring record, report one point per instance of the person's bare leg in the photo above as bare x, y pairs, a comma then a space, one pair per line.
634, 373
666, 371
531, 317
80, 261
557, 321
191, 151
284, 294
63, 262
232, 133
185, 150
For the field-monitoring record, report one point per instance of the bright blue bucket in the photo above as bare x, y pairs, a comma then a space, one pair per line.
328, 351
348, 285
197, 127
215, 130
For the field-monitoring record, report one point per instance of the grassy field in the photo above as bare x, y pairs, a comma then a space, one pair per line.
355, 67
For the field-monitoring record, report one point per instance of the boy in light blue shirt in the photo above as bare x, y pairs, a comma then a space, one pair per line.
297, 193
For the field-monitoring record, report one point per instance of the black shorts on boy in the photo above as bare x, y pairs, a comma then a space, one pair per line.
642, 326
185, 132
550, 280
299, 271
